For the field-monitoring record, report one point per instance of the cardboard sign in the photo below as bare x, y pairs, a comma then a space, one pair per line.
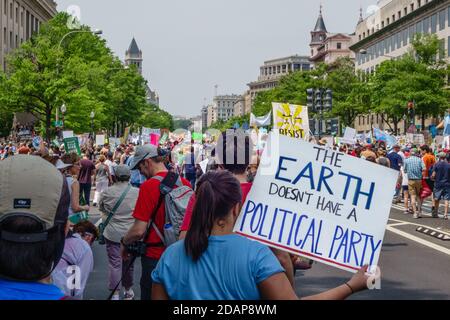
67, 134
291, 120
318, 203
417, 139
71, 145
154, 139
37, 142
100, 140
349, 136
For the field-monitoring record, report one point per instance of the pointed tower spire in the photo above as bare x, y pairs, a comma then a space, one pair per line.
320, 24
361, 19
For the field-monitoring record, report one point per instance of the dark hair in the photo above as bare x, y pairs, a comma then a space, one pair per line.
425, 148
30, 261
239, 144
86, 226
217, 193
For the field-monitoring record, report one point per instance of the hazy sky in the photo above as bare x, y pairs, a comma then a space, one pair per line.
191, 45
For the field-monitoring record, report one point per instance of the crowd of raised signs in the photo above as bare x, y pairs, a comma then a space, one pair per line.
184, 240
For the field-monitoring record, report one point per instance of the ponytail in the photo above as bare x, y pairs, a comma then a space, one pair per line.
217, 193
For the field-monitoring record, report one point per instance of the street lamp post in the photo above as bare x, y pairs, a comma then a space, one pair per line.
92, 115
63, 111
96, 32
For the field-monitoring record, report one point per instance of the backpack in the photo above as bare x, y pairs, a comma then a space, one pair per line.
176, 200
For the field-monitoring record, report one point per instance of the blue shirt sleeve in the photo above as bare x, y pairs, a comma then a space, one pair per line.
266, 265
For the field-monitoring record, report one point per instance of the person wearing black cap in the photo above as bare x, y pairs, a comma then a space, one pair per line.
33, 227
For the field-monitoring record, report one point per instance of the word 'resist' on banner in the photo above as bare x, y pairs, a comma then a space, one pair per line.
318, 203
291, 120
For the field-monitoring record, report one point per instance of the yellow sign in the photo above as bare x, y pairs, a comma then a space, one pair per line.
291, 120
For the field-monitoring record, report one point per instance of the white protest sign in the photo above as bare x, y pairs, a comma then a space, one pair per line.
319, 204
204, 165
100, 140
349, 136
291, 120
67, 134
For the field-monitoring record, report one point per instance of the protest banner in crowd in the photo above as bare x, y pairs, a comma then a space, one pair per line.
291, 120
318, 203
72, 145
349, 136
67, 134
100, 140
263, 121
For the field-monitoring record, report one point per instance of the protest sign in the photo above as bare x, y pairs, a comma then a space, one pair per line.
37, 142
67, 134
197, 136
204, 165
349, 136
291, 120
154, 139
439, 140
318, 203
100, 140
71, 145
263, 121
163, 138
417, 139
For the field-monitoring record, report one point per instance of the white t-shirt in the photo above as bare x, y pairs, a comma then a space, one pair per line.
111, 165
404, 176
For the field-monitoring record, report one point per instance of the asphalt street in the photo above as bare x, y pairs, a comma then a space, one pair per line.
413, 265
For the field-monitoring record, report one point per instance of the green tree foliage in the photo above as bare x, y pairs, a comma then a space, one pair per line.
222, 125
182, 124
156, 118
419, 77
350, 94
81, 73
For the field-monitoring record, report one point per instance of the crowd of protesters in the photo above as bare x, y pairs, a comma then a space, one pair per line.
208, 262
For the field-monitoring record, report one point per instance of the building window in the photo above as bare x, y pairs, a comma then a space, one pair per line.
442, 20
359, 37
441, 49
382, 24
448, 16
11, 43
405, 13
448, 46
11, 10
339, 45
426, 25
434, 23
412, 6
419, 26
5, 9
399, 14
387, 21
393, 18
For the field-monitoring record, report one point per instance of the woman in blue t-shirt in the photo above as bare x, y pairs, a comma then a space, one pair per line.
213, 263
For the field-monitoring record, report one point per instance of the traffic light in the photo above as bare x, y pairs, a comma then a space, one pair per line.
310, 99
333, 126
319, 103
328, 100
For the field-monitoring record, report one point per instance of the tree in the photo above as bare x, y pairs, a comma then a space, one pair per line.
351, 96
156, 118
82, 73
398, 82
182, 124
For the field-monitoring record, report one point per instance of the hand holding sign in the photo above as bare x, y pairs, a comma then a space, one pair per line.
319, 203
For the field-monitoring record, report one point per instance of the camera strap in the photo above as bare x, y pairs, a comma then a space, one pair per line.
114, 209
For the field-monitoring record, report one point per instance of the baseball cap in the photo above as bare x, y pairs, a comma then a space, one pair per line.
143, 152
122, 171
442, 155
61, 165
21, 178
